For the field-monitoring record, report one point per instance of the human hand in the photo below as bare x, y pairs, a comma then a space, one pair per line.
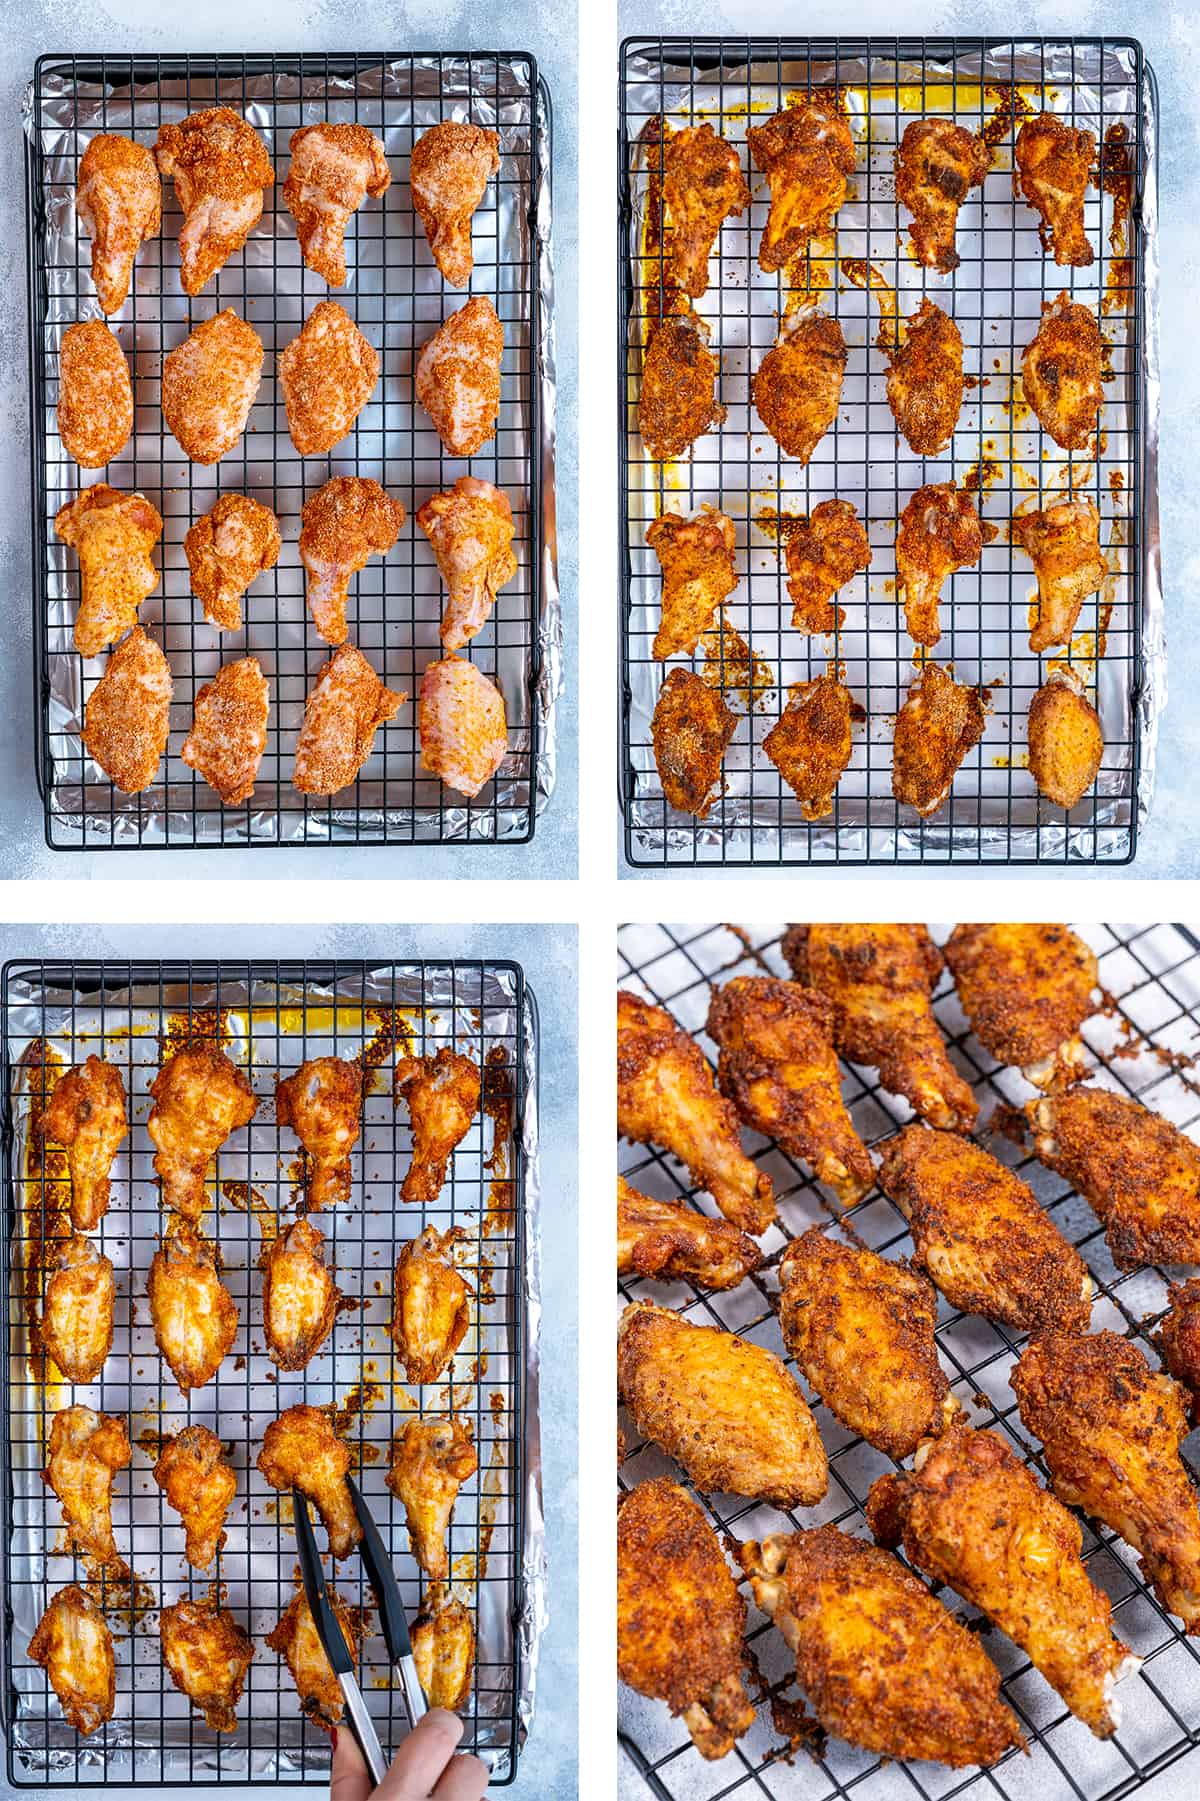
425, 1767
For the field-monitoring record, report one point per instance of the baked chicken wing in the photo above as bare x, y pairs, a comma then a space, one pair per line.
806, 153
727, 1410
690, 731
200, 1098
209, 383
431, 1459
297, 1641
443, 1645
458, 377
678, 402
113, 534
797, 387
232, 544
1063, 543
198, 1483
1066, 741
76, 1327
221, 169
87, 1115
328, 373
940, 532
300, 1298
825, 550
702, 186
95, 395
442, 1093
127, 718
431, 1307
342, 526
229, 730
194, 1318
301, 1449
119, 203
940, 723
1052, 167
1026, 990
925, 379
937, 165
207, 1654
696, 559
470, 527
345, 708
86, 1451
334, 168
1061, 370
463, 725
667, 1242
1178, 1339
74, 1646
449, 169
811, 743
322, 1103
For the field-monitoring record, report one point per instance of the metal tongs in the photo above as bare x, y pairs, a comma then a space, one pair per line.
392, 1621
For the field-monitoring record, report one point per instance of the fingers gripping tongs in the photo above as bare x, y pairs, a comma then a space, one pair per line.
392, 1621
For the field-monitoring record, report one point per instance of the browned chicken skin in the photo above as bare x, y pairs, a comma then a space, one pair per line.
678, 401
236, 541
824, 551
940, 532
119, 202
221, 169
346, 705
300, 1299
972, 1515
207, 1654
680, 1618
195, 1320
322, 1103
1066, 742
200, 1098
666, 1242
925, 379
470, 528
777, 1065
940, 723
1026, 990
1063, 543
1178, 1339
449, 169
1052, 167
209, 384
328, 372
690, 732
334, 168
76, 1327
458, 377
811, 743
301, 1449
797, 387
696, 558
937, 165
807, 154
127, 719
463, 725
1110, 1428
883, 1663
727, 1410
443, 1643
1061, 372
431, 1305
862, 1330
113, 534
343, 525
666, 1096
296, 1639
95, 394
74, 1646
431, 1459
200, 1485
442, 1093
87, 1115
702, 186
86, 1451
229, 730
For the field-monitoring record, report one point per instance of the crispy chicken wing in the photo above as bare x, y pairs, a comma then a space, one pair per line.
300, 1298
690, 730
113, 534
941, 721
301, 1449
680, 1619
727, 1410
119, 203
880, 979
777, 1065
431, 1459
200, 1098
1026, 990
87, 1115
209, 383
207, 1654
798, 385
666, 1096
1052, 167
972, 1515
861, 1328
342, 526
807, 154
431, 1305
925, 379
811, 743
322, 1103
221, 170
442, 1093
95, 395
667, 1242
940, 532
702, 186
449, 169
883, 1663
1178, 1339
678, 402
825, 550
127, 718
463, 725
296, 1639
232, 544
696, 558
1110, 1428
979, 1232
470, 527
937, 165
1066, 743
229, 730
1063, 542
86, 1451
328, 373
74, 1646
76, 1327
443, 1644
458, 377
346, 705
198, 1483
334, 168
1061, 372
194, 1318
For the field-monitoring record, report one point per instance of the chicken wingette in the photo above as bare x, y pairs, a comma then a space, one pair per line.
667, 1242
1026, 990
797, 387
294, 1636
74, 1646
1061, 372
431, 1459
825, 549
940, 723
193, 1313
76, 1327
925, 379
696, 558
811, 742
678, 401
431, 1304
690, 732
300, 1298
443, 1644
207, 1654
1066, 739
87, 1115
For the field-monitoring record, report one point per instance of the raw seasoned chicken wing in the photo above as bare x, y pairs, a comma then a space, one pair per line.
678, 402
458, 377
470, 528
209, 384
925, 379
940, 532
937, 165
825, 550
200, 1098
301, 1449
443, 1645
1026, 990
113, 534
463, 725
442, 1093
232, 544
343, 525
296, 1639
194, 1318
431, 1459
449, 169
221, 170
74, 1646
127, 718
345, 708
807, 154
797, 387
322, 1103
431, 1305
328, 373
229, 730
76, 1327
667, 1242
200, 1485
1061, 370
696, 559
940, 723
300, 1298
334, 168
1066, 742
119, 203
207, 1654
1063, 543
1052, 167
702, 186
87, 1115
811, 743
95, 395
690, 731
87, 1449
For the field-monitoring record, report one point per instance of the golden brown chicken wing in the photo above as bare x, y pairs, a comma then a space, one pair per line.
680, 1619
449, 169
114, 534
1052, 167
296, 1639
807, 154
300, 1300
74, 1646
443, 1645
1066, 743
198, 1483
797, 387
1110, 1428
937, 165
119, 203
431, 1459
221, 170
702, 186
322, 1103
328, 373
334, 168
972, 1515
463, 725
200, 1098
95, 395
346, 705
1026, 990
811, 743
824, 551
127, 718
1063, 542
1060, 372
431, 1307
690, 731
86, 1451
940, 532
209, 384
470, 527
862, 1329
727, 1410
696, 558
940, 723
232, 544
979, 1232
301, 1449
458, 377
87, 1115
343, 525
207, 1654
1178, 1339
442, 1093
194, 1318
925, 379
678, 402
229, 730
76, 1327
667, 1242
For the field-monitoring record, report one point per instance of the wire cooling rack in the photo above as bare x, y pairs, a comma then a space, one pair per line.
269, 1018
994, 813
397, 297
1143, 1044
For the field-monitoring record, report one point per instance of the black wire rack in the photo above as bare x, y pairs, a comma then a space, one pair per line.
1144, 1044
994, 813
397, 297
269, 1017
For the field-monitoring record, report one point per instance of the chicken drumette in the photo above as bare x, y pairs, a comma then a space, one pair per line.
342, 526
221, 170
443, 1644
825, 550
1061, 370
431, 1459
1026, 990
811, 743
95, 394
449, 169
1066, 742
702, 186
666, 1241
301, 1449
940, 532
200, 1097
678, 402
925, 379
113, 534
334, 168
119, 203
690, 731
229, 730
127, 718
470, 528
1178, 1339
295, 1638
209, 383
328, 373
442, 1093
458, 377
463, 725
200, 1485
1052, 167
941, 721
322, 1103
207, 1654
300, 1298
86, 1451
807, 154
696, 558
345, 708
798, 385
194, 1318
1063, 543
937, 165
232, 544
74, 1646
76, 1327
87, 1115
431, 1304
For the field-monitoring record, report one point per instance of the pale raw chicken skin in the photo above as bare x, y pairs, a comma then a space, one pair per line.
463, 726
229, 730
114, 534
119, 203
221, 168
347, 705
334, 168
343, 525
458, 377
95, 396
127, 719
235, 541
470, 527
209, 383
328, 373
450, 168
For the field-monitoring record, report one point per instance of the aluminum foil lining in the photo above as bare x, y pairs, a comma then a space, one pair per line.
994, 811
397, 296
501, 1578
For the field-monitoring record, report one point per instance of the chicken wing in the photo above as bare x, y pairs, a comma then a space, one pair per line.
301, 1449
862, 1330
127, 718
194, 1318
322, 1103
232, 544
1110, 1428
229, 730
702, 186
696, 559
1138, 1173
345, 708
431, 1307
811, 743
726, 1409
1061, 369
114, 534
925, 379
74, 1646
328, 373
806, 153
76, 1327
690, 731
678, 402
463, 725
343, 525
1026, 990
937, 165
443, 1646
777, 1065
431, 1459
334, 168
458, 377
449, 169
221, 170
86, 1114
972, 1515
979, 1232
207, 1654
940, 532
1178, 1339
442, 1093
680, 1620
667, 1242
470, 528
797, 387
1063, 543
200, 1098
95, 395
1052, 167
300, 1298
824, 551
1066, 742
209, 384
296, 1639
198, 1483
883, 1663
666, 1096
941, 721
119, 203
86, 1451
